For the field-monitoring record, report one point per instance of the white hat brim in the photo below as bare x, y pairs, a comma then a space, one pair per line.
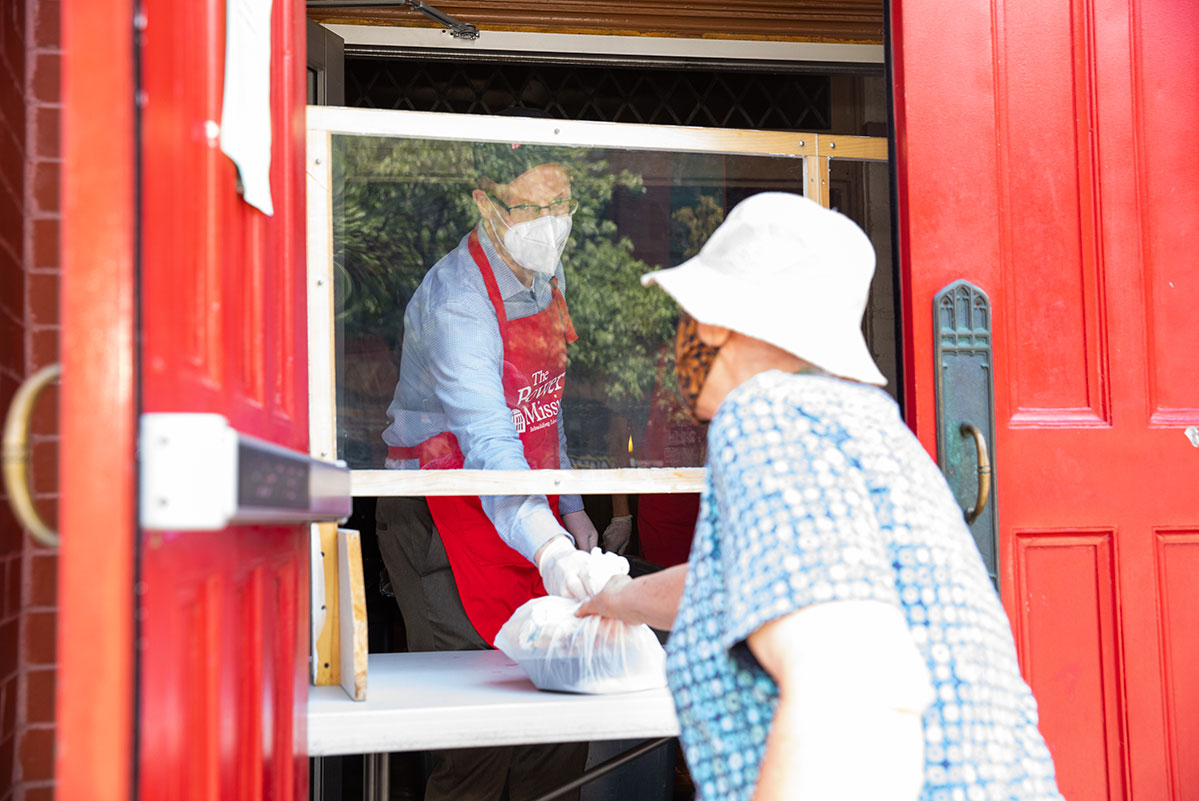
797, 324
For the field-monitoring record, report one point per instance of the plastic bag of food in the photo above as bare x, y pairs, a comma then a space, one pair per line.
581, 654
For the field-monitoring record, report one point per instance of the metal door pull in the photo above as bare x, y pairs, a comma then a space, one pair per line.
16, 455
984, 471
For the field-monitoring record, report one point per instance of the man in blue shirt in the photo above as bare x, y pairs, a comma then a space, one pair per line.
481, 380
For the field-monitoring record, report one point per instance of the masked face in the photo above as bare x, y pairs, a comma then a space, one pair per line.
536, 244
692, 362
531, 216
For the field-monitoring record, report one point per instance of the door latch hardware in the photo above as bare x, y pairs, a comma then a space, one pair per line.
962, 317
984, 471
17, 452
198, 473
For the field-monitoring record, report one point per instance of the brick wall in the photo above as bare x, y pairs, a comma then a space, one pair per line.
29, 275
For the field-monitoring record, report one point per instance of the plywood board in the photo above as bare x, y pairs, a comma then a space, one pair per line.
327, 658
352, 640
316, 599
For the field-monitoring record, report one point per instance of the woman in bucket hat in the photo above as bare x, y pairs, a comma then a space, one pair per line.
835, 634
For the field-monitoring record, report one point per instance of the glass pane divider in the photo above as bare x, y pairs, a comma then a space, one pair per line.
387, 483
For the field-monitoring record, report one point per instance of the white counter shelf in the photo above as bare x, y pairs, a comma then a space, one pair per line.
464, 699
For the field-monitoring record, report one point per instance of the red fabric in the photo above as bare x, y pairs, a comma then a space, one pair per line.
666, 526
666, 522
492, 578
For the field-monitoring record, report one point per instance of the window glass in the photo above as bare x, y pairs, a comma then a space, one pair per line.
418, 345
861, 191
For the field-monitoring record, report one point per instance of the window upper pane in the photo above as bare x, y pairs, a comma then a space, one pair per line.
419, 348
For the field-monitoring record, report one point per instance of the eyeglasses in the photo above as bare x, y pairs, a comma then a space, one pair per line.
523, 212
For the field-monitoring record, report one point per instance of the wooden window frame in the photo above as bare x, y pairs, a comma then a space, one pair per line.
324, 122
375, 39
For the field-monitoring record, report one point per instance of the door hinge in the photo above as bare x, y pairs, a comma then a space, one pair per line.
457, 29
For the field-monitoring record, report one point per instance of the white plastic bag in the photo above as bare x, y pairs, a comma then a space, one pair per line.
581, 654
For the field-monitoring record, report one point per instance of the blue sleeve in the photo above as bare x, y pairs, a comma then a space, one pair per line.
796, 522
566, 503
464, 354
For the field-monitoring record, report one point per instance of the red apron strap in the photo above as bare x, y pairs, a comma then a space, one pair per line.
397, 452
493, 289
437, 447
497, 300
568, 328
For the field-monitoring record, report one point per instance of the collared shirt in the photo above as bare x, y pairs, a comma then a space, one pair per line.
450, 380
817, 492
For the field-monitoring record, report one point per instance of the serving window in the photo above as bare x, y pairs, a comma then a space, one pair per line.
391, 193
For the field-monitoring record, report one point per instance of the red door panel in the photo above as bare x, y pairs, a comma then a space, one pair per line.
1177, 565
1165, 115
1067, 627
224, 614
97, 518
1042, 155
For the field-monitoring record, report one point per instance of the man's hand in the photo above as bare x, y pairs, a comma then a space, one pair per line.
574, 574
617, 534
582, 529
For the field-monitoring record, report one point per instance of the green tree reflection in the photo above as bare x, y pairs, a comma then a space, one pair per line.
404, 204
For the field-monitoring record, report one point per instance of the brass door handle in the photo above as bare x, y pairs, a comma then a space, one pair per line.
984, 471
16, 454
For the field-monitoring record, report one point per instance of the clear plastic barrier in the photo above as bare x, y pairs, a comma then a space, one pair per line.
401, 206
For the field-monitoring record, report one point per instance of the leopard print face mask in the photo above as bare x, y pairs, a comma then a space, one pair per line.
692, 362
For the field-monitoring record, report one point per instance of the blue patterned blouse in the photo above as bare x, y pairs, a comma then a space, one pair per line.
817, 491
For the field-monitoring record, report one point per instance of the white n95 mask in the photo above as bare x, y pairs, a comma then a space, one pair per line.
537, 244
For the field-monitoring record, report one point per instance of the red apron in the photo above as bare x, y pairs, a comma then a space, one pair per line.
494, 579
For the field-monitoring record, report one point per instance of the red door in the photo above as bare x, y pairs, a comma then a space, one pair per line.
224, 614
1043, 155
213, 688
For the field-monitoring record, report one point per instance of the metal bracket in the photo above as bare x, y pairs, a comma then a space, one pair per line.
199, 474
457, 29
607, 767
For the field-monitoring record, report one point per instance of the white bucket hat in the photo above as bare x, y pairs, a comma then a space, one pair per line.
788, 271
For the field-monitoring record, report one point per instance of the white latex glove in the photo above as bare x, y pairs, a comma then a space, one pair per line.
576, 574
602, 568
616, 535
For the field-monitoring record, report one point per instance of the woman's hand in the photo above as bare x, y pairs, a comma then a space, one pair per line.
652, 599
610, 602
